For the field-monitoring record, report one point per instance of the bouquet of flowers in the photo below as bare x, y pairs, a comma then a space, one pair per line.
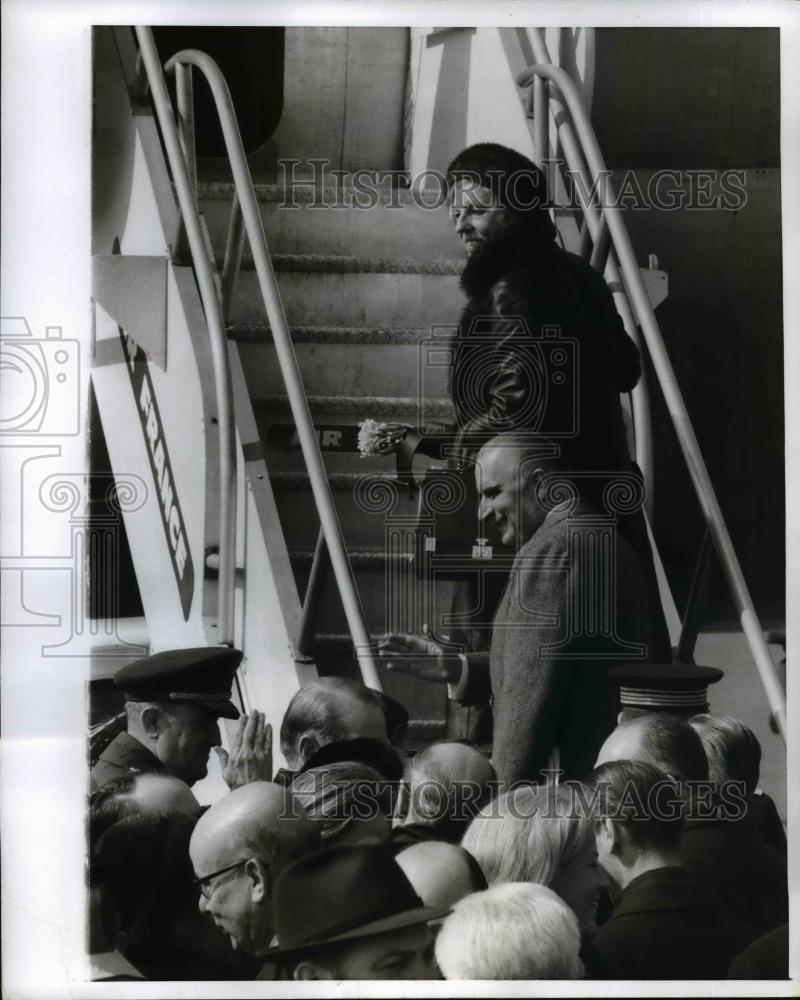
376, 438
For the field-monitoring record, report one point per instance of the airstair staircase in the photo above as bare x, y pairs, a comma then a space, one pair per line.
363, 278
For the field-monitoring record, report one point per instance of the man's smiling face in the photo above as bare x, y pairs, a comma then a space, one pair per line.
477, 216
506, 487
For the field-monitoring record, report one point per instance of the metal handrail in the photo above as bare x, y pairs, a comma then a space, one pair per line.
248, 205
593, 221
216, 329
637, 294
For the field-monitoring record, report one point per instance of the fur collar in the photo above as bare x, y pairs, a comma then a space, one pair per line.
514, 247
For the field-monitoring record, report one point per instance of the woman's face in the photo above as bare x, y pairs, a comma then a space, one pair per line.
580, 882
476, 213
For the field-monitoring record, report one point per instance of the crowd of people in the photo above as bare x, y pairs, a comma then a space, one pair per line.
617, 830
359, 861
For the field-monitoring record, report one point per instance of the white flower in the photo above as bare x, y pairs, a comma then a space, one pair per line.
371, 437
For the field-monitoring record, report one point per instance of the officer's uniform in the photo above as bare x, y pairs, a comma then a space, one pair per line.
674, 688
203, 676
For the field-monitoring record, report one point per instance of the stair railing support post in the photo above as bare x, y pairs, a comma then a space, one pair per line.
313, 596
232, 261
541, 125
690, 626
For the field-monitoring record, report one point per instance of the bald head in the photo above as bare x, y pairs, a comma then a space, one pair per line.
156, 793
260, 817
329, 710
237, 849
507, 472
448, 783
664, 741
523, 447
451, 762
441, 873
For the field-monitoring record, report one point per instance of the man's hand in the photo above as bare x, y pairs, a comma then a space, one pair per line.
419, 656
250, 757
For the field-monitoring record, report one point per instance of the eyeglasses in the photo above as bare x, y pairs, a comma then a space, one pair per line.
203, 883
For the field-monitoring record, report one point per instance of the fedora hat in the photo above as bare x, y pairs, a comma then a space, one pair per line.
343, 893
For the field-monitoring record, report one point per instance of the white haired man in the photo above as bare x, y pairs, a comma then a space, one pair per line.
518, 930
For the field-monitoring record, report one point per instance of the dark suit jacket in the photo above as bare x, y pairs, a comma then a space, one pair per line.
543, 695
764, 821
765, 958
664, 927
744, 874
124, 755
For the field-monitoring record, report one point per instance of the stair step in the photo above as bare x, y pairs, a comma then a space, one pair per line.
338, 481
371, 585
369, 559
343, 221
334, 369
377, 574
299, 516
376, 407
337, 642
337, 195
260, 333
325, 263
355, 298
281, 459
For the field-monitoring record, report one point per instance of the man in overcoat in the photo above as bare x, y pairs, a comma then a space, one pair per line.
574, 605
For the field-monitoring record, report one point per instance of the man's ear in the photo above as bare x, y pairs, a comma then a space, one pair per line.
307, 746
613, 834
307, 970
533, 479
153, 721
259, 887
603, 834
401, 806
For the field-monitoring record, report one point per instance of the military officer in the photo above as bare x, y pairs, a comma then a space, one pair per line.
173, 700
